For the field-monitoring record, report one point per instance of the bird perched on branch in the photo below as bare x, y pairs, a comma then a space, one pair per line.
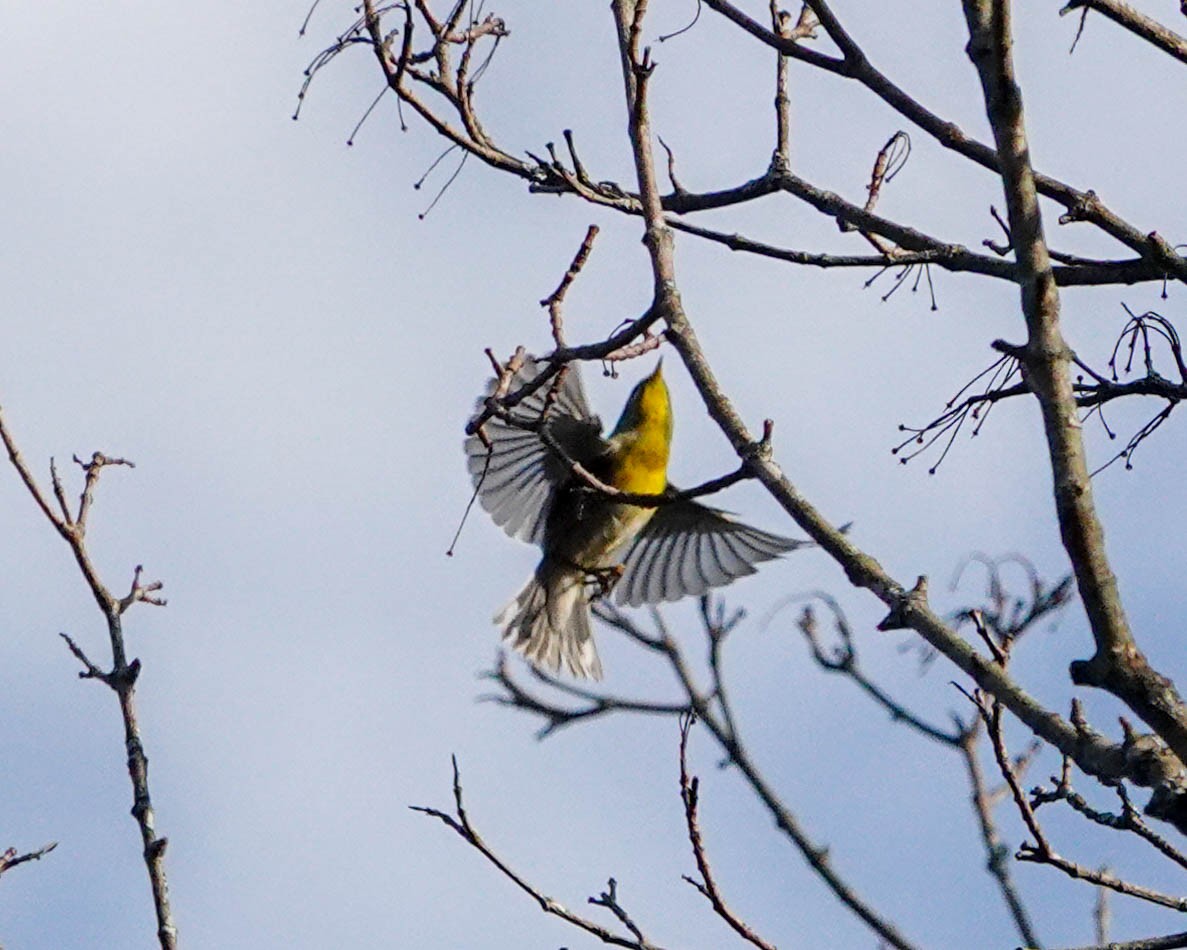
592, 542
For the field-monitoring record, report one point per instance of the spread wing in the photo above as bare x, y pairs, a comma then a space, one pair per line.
516, 479
687, 548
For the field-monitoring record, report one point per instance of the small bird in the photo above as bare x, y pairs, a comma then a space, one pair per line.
591, 542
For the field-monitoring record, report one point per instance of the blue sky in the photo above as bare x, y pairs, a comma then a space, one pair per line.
253, 313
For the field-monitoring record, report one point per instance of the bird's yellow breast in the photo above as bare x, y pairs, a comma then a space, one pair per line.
641, 465
587, 529
642, 439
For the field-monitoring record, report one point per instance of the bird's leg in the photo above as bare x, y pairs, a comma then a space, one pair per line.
605, 578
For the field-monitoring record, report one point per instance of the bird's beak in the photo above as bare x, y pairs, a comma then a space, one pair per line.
658, 372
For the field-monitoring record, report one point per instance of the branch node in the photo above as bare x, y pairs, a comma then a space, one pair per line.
907, 603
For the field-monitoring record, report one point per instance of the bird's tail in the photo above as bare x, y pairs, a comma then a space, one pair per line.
548, 622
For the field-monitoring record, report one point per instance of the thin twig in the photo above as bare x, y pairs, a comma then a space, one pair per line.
707, 885
555, 300
9, 859
842, 659
1136, 22
996, 851
459, 821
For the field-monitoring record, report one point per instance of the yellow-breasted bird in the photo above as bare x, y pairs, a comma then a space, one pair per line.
677, 549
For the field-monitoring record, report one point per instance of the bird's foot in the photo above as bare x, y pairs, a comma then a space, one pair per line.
604, 578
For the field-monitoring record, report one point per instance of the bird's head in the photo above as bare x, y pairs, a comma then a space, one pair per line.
648, 410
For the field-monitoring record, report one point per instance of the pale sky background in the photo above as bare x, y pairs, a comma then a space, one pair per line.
253, 313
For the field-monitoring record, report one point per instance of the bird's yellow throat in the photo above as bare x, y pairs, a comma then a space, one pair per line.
642, 439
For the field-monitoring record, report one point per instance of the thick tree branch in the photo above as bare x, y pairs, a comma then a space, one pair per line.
1118, 665
1092, 753
636, 67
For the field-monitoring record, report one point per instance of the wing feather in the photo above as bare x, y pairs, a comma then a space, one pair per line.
515, 479
691, 569
687, 548
640, 578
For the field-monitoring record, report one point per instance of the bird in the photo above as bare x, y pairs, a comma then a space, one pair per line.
593, 544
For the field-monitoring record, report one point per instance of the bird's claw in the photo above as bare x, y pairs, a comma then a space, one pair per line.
605, 578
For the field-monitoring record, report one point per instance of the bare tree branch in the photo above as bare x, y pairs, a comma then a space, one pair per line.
711, 707
1144, 334
1080, 205
997, 853
557, 717
1041, 852
423, 75
1169, 942
1136, 22
909, 608
1128, 820
459, 821
843, 660
707, 885
549, 175
1118, 665
9, 859
121, 679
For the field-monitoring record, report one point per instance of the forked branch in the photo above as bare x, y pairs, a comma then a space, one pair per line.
71, 524
459, 821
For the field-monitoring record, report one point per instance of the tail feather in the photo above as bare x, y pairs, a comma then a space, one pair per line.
548, 622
